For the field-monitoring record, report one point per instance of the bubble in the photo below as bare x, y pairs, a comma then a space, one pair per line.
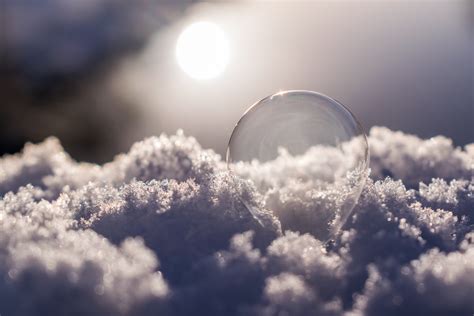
306, 155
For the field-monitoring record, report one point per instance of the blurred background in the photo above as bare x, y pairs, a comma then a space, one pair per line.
102, 74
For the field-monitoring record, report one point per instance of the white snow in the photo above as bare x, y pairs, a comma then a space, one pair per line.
162, 230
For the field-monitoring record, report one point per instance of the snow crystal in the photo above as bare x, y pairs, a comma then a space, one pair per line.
163, 229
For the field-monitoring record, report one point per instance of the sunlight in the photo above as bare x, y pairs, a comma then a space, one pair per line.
202, 50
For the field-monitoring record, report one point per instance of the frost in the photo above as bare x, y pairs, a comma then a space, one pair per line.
436, 283
48, 267
312, 192
413, 160
162, 229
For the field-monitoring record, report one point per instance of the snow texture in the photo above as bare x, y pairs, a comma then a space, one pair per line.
162, 230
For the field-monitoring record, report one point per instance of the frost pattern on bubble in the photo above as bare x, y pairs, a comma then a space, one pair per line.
157, 231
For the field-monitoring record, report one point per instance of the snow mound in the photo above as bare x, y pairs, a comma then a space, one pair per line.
162, 229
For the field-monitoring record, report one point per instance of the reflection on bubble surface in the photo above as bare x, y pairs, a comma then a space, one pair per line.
301, 139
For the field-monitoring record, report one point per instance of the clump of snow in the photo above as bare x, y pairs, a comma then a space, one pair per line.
162, 229
311, 192
434, 284
48, 267
413, 160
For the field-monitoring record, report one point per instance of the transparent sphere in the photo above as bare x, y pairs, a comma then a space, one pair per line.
307, 157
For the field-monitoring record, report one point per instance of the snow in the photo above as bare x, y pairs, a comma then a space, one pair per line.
162, 229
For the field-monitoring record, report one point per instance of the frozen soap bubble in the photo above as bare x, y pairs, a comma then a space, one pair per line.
307, 157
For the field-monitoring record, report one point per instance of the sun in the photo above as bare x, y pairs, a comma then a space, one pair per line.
202, 50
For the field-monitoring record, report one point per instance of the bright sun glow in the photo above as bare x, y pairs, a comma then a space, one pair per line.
202, 50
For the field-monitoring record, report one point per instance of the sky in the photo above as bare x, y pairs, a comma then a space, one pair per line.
404, 65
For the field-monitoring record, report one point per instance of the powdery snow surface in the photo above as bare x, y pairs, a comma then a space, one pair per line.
161, 231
